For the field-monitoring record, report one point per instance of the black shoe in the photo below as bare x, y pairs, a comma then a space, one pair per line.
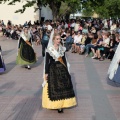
60, 110
96, 58
26, 67
29, 68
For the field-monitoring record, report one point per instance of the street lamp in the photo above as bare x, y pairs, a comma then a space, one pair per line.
39, 4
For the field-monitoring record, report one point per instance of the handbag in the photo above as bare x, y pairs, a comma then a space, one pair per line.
116, 77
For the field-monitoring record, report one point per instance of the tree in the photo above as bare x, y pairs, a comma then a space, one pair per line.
113, 7
104, 8
88, 10
69, 7
91, 7
54, 5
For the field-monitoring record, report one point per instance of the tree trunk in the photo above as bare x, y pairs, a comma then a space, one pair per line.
55, 7
54, 15
67, 16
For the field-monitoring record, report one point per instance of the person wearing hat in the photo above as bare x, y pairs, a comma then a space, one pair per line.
26, 55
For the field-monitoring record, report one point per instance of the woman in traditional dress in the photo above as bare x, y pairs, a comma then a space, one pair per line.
114, 69
2, 65
58, 90
26, 55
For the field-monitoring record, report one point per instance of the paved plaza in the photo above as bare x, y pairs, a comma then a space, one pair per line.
21, 90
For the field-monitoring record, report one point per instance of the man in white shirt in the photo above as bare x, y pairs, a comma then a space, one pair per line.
49, 27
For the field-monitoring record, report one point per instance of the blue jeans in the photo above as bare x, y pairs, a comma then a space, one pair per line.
87, 48
68, 45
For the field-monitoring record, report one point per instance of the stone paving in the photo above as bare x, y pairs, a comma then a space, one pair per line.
21, 90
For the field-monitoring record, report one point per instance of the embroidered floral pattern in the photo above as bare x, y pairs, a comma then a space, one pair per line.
56, 54
59, 83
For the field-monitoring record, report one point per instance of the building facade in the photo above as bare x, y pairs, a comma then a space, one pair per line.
7, 12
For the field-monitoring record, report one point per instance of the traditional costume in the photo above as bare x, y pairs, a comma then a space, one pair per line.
114, 69
26, 54
58, 89
2, 65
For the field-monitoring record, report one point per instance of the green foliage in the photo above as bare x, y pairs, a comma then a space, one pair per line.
87, 8
69, 7
104, 8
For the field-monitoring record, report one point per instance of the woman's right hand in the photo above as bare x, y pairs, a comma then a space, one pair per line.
46, 76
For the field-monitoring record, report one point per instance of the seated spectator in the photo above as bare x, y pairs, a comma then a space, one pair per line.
76, 44
114, 44
8, 34
88, 43
85, 29
96, 46
93, 30
118, 29
103, 49
82, 43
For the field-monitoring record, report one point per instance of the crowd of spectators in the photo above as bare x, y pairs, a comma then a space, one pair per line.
91, 37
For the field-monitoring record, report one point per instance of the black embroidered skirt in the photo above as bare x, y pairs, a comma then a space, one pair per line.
26, 54
59, 82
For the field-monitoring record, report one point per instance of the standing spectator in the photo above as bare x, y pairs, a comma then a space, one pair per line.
77, 25
72, 24
63, 36
29, 23
68, 41
66, 25
45, 40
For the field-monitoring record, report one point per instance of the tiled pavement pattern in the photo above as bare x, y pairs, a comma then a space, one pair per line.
21, 91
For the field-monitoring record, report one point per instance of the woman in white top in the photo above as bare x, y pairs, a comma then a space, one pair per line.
25, 55
76, 45
103, 48
58, 90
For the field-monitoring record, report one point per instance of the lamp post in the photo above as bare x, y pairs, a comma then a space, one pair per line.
39, 4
